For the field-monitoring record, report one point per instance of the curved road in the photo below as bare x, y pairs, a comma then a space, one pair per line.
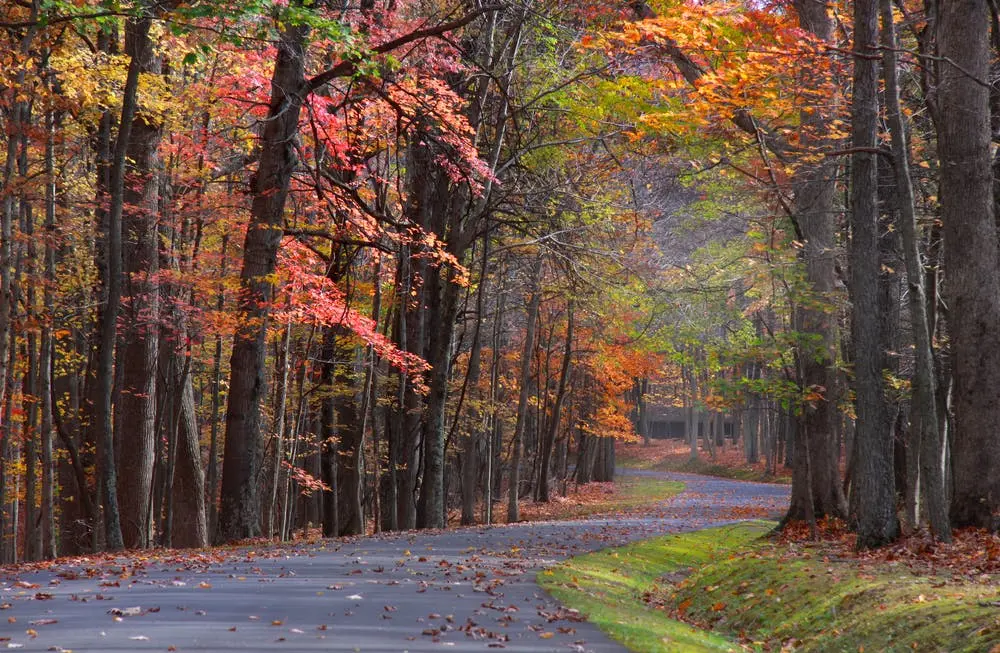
469, 589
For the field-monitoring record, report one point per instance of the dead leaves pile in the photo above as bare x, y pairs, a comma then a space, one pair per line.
973, 553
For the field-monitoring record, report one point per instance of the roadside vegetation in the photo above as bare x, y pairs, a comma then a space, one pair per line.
732, 588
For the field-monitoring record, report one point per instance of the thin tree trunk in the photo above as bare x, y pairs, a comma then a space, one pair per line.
32, 532
531, 318
470, 449
212, 480
554, 417
350, 441
923, 407
47, 345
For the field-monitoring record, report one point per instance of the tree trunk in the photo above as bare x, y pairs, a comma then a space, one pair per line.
135, 411
278, 429
239, 513
350, 441
212, 480
328, 435
189, 526
47, 346
816, 487
554, 417
692, 418
138, 37
873, 476
524, 377
476, 430
970, 236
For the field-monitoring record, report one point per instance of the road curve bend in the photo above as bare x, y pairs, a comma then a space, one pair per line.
467, 589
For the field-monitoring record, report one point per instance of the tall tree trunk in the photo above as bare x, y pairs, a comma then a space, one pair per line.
212, 480
47, 344
278, 429
189, 525
470, 449
135, 411
138, 37
970, 236
32, 532
923, 406
350, 440
554, 418
329, 435
524, 377
816, 487
239, 513
873, 478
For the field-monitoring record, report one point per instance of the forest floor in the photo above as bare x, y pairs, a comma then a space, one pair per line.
461, 589
738, 587
670, 455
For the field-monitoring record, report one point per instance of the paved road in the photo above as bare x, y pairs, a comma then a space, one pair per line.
468, 589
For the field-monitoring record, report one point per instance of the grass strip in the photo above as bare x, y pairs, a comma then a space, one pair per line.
612, 587
735, 590
810, 598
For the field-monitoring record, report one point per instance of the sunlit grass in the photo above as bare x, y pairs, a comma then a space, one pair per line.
609, 586
747, 592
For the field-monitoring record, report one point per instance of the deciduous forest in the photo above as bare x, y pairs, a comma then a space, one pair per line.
369, 266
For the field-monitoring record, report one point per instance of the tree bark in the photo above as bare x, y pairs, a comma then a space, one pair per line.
873, 478
135, 411
972, 286
189, 526
139, 38
816, 487
239, 512
554, 417
524, 377
923, 406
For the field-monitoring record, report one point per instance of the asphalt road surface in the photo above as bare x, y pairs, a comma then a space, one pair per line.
468, 589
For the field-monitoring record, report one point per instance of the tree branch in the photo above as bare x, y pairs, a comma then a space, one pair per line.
348, 67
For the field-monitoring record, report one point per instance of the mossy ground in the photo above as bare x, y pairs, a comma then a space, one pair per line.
751, 593
612, 587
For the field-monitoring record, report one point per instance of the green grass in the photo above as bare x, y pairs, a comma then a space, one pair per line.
749, 593
828, 604
609, 586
